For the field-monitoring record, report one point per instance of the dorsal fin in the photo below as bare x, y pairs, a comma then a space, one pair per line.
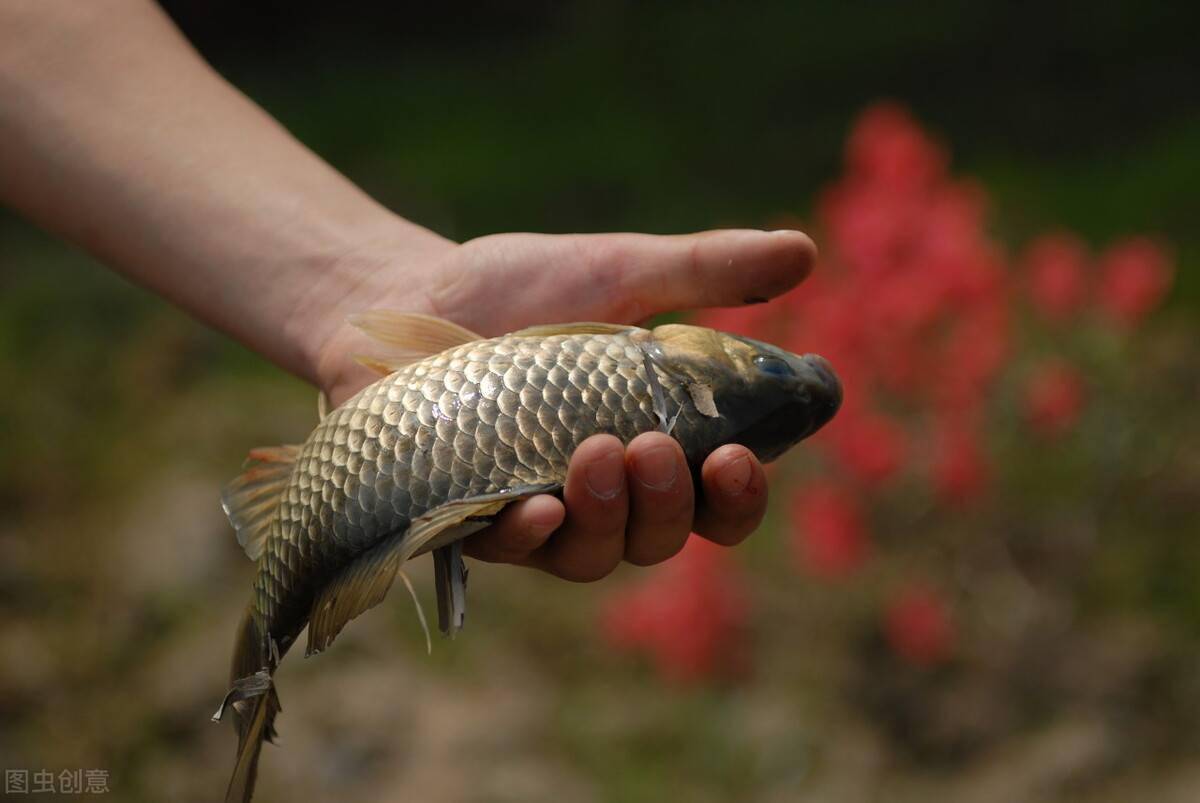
382, 366
580, 328
251, 499
408, 336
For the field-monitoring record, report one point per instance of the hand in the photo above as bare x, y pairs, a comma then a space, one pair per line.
636, 503
255, 235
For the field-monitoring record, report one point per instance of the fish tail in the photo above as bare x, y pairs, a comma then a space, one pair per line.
254, 703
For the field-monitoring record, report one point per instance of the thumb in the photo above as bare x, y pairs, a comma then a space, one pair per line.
663, 273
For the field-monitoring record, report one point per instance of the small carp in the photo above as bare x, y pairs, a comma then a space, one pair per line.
460, 427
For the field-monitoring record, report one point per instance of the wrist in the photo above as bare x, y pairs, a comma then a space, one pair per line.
384, 266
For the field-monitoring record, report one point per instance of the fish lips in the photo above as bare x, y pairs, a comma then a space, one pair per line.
825, 389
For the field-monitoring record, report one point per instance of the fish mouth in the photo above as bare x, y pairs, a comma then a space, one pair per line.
825, 387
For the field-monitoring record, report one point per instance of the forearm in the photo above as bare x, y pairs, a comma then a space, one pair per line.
117, 136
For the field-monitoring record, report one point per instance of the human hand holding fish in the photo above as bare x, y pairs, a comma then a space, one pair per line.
464, 431
215, 207
630, 502
458, 428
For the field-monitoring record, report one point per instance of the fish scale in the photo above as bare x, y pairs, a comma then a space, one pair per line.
487, 416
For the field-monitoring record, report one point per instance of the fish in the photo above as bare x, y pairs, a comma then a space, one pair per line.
458, 427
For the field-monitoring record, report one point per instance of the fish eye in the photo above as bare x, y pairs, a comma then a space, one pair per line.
770, 364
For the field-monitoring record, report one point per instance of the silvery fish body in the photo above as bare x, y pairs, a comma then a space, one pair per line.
431, 452
494, 415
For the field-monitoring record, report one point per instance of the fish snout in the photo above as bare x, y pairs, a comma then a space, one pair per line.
825, 387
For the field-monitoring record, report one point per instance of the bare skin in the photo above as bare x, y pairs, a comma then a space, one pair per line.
115, 135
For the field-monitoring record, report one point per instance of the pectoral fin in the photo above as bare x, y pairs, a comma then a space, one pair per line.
702, 397
360, 586
364, 583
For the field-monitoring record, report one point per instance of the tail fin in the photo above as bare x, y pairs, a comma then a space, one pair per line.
254, 703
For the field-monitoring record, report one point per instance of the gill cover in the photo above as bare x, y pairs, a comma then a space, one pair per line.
759, 395
691, 355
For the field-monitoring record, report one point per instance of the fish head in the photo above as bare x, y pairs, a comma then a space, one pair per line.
756, 394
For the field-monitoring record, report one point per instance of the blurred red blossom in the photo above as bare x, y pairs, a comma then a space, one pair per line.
887, 144
918, 626
960, 471
871, 447
689, 616
1055, 267
1135, 275
974, 350
915, 304
830, 533
1054, 397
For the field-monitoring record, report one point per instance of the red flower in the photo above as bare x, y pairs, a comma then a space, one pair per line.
960, 470
689, 617
1054, 398
1055, 268
829, 531
972, 353
871, 447
918, 626
914, 306
1135, 276
888, 145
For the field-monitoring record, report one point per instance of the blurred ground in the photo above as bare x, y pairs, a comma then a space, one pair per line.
120, 583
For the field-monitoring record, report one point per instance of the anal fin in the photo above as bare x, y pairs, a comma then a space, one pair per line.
450, 580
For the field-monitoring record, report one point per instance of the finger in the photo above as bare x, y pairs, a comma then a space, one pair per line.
661, 499
711, 269
521, 529
735, 495
591, 542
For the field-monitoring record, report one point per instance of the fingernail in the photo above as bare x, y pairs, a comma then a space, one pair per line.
734, 476
606, 476
657, 468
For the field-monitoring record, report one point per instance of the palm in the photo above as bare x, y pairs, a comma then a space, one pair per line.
504, 282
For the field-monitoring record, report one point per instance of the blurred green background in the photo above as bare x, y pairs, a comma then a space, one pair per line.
120, 584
